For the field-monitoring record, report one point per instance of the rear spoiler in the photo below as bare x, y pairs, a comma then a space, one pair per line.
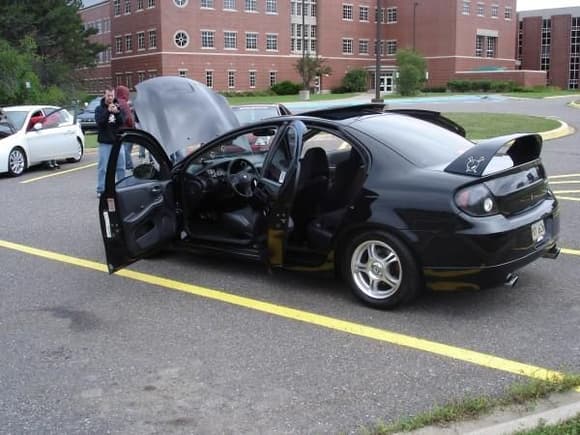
521, 148
432, 117
346, 112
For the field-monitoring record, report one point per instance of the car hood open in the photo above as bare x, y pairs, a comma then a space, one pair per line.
180, 112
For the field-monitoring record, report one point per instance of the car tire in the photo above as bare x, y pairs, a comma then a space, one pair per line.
380, 269
79, 154
16, 162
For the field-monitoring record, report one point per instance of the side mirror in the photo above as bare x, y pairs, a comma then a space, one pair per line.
37, 126
145, 171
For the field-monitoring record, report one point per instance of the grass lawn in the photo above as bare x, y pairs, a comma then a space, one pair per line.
286, 98
90, 140
485, 125
570, 427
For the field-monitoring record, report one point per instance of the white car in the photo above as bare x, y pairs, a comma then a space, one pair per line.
31, 135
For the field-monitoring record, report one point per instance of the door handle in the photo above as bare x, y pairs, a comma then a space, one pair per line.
156, 189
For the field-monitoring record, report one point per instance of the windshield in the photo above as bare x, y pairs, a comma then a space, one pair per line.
17, 118
93, 104
420, 142
247, 115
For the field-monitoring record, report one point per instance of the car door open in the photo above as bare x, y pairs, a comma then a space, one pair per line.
138, 212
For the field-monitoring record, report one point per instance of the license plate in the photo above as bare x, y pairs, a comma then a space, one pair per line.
538, 231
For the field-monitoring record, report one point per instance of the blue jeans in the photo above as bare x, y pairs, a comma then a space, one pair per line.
104, 153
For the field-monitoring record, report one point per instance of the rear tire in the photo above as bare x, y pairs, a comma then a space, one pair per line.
380, 269
79, 154
16, 162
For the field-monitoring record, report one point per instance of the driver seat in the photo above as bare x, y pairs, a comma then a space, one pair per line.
241, 223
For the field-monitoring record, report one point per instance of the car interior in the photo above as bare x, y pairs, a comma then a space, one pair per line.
224, 198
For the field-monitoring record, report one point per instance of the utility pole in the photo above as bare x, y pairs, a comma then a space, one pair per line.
305, 85
414, 16
378, 44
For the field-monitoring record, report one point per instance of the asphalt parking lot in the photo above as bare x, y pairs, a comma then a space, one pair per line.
192, 344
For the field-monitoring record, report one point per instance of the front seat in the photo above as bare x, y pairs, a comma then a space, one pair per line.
312, 187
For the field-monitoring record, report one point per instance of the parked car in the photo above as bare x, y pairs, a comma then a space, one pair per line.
393, 200
86, 116
40, 134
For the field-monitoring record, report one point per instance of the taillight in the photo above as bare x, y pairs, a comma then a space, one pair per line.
476, 200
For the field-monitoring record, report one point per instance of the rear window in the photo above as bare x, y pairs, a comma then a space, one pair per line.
420, 142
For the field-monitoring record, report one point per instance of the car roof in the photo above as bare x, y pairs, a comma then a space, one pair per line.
27, 108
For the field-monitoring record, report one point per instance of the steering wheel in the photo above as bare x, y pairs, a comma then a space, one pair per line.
242, 177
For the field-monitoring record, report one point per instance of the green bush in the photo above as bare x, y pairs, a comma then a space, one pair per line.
459, 85
481, 85
286, 88
262, 93
435, 89
355, 81
338, 90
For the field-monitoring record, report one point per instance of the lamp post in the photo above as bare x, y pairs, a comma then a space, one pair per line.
303, 49
378, 98
414, 16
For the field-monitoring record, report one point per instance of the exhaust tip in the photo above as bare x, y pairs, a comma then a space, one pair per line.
511, 279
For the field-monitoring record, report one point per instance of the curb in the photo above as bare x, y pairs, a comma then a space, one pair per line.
554, 409
574, 104
563, 130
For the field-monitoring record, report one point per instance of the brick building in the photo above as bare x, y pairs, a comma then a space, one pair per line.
252, 44
549, 40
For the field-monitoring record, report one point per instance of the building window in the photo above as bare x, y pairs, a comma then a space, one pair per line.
363, 46
140, 76
118, 79
391, 15
251, 41
574, 53
271, 42
152, 73
346, 45
129, 80
250, 6
151, 4
140, 8
141, 41
127, 7
152, 39
363, 13
313, 10
480, 10
380, 15
128, 42
230, 5
207, 4
347, 12
116, 7
118, 44
494, 11
209, 78
391, 48
466, 8
207, 39
271, 6
252, 78
181, 3
273, 79
230, 40
545, 47
479, 39
231, 79
508, 13
491, 46
182, 72
181, 38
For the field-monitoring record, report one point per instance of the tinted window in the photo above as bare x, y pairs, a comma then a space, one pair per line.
421, 142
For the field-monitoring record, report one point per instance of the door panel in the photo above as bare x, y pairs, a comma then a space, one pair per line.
138, 213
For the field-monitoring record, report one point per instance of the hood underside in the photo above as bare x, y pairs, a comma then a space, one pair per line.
180, 112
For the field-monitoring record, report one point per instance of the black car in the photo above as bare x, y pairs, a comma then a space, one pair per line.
86, 116
393, 200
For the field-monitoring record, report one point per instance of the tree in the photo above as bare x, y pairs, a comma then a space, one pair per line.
412, 69
61, 41
309, 67
355, 81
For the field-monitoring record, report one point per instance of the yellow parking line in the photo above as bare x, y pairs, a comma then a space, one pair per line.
565, 182
554, 177
568, 198
55, 174
567, 191
570, 251
465, 355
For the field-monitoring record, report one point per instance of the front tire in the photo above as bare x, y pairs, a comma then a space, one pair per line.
79, 153
380, 269
16, 162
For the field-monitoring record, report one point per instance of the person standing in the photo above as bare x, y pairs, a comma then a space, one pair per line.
109, 119
122, 95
